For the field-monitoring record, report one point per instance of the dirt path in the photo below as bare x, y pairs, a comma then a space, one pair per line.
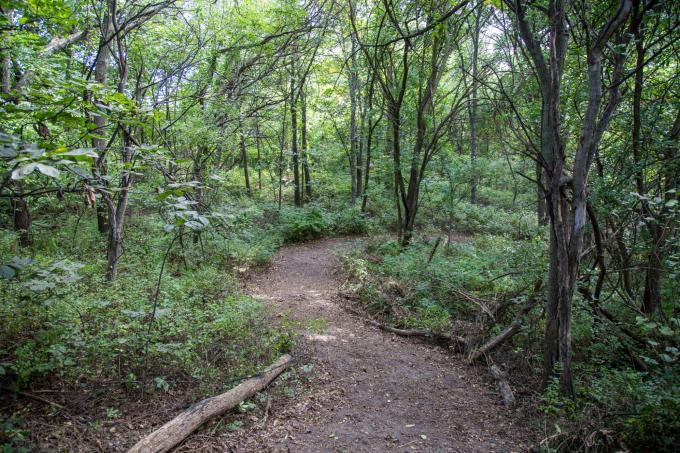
369, 390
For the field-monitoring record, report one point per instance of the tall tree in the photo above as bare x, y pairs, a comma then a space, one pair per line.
568, 212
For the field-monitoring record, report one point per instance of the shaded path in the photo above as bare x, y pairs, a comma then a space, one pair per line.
373, 391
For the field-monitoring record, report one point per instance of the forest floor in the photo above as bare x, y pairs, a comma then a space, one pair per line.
357, 388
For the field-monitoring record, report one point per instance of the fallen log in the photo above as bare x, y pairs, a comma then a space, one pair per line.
177, 429
509, 331
458, 342
503, 386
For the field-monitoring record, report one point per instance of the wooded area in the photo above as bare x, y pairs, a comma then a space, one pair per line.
512, 167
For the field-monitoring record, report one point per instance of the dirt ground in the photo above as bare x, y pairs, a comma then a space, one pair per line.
363, 389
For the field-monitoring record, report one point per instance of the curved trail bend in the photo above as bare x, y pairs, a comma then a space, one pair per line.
371, 391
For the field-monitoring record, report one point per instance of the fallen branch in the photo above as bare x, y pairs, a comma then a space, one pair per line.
503, 386
483, 304
509, 331
177, 429
41, 399
459, 342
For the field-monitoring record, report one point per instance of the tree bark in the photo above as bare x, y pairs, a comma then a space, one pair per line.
21, 219
353, 137
541, 205
259, 154
369, 142
294, 143
567, 214
244, 159
101, 69
305, 148
473, 108
5, 83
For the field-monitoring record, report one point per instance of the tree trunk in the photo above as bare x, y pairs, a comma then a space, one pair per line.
282, 145
294, 143
541, 206
652, 293
353, 135
369, 142
98, 141
305, 148
21, 219
259, 154
244, 159
116, 212
473, 109
5, 83
651, 297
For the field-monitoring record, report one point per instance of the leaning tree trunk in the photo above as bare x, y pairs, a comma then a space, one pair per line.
244, 160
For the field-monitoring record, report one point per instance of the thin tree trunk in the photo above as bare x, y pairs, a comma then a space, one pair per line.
473, 109
5, 83
651, 295
369, 146
258, 145
353, 139
21, 219
117, 211
244, 159
541, 206
282, 144
304, 151
98, 141
294, 144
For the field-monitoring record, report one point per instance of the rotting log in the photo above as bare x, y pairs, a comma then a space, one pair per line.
503, 386
177, 429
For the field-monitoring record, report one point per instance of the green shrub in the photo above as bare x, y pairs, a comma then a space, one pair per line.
61, 320
431, 317
302, 224
348, 221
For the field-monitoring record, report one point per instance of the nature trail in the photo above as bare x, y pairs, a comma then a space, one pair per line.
369, 390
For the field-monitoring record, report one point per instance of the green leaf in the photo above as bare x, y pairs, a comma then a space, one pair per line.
7, 272
85, 153
23, 171
666, 331
47, 170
